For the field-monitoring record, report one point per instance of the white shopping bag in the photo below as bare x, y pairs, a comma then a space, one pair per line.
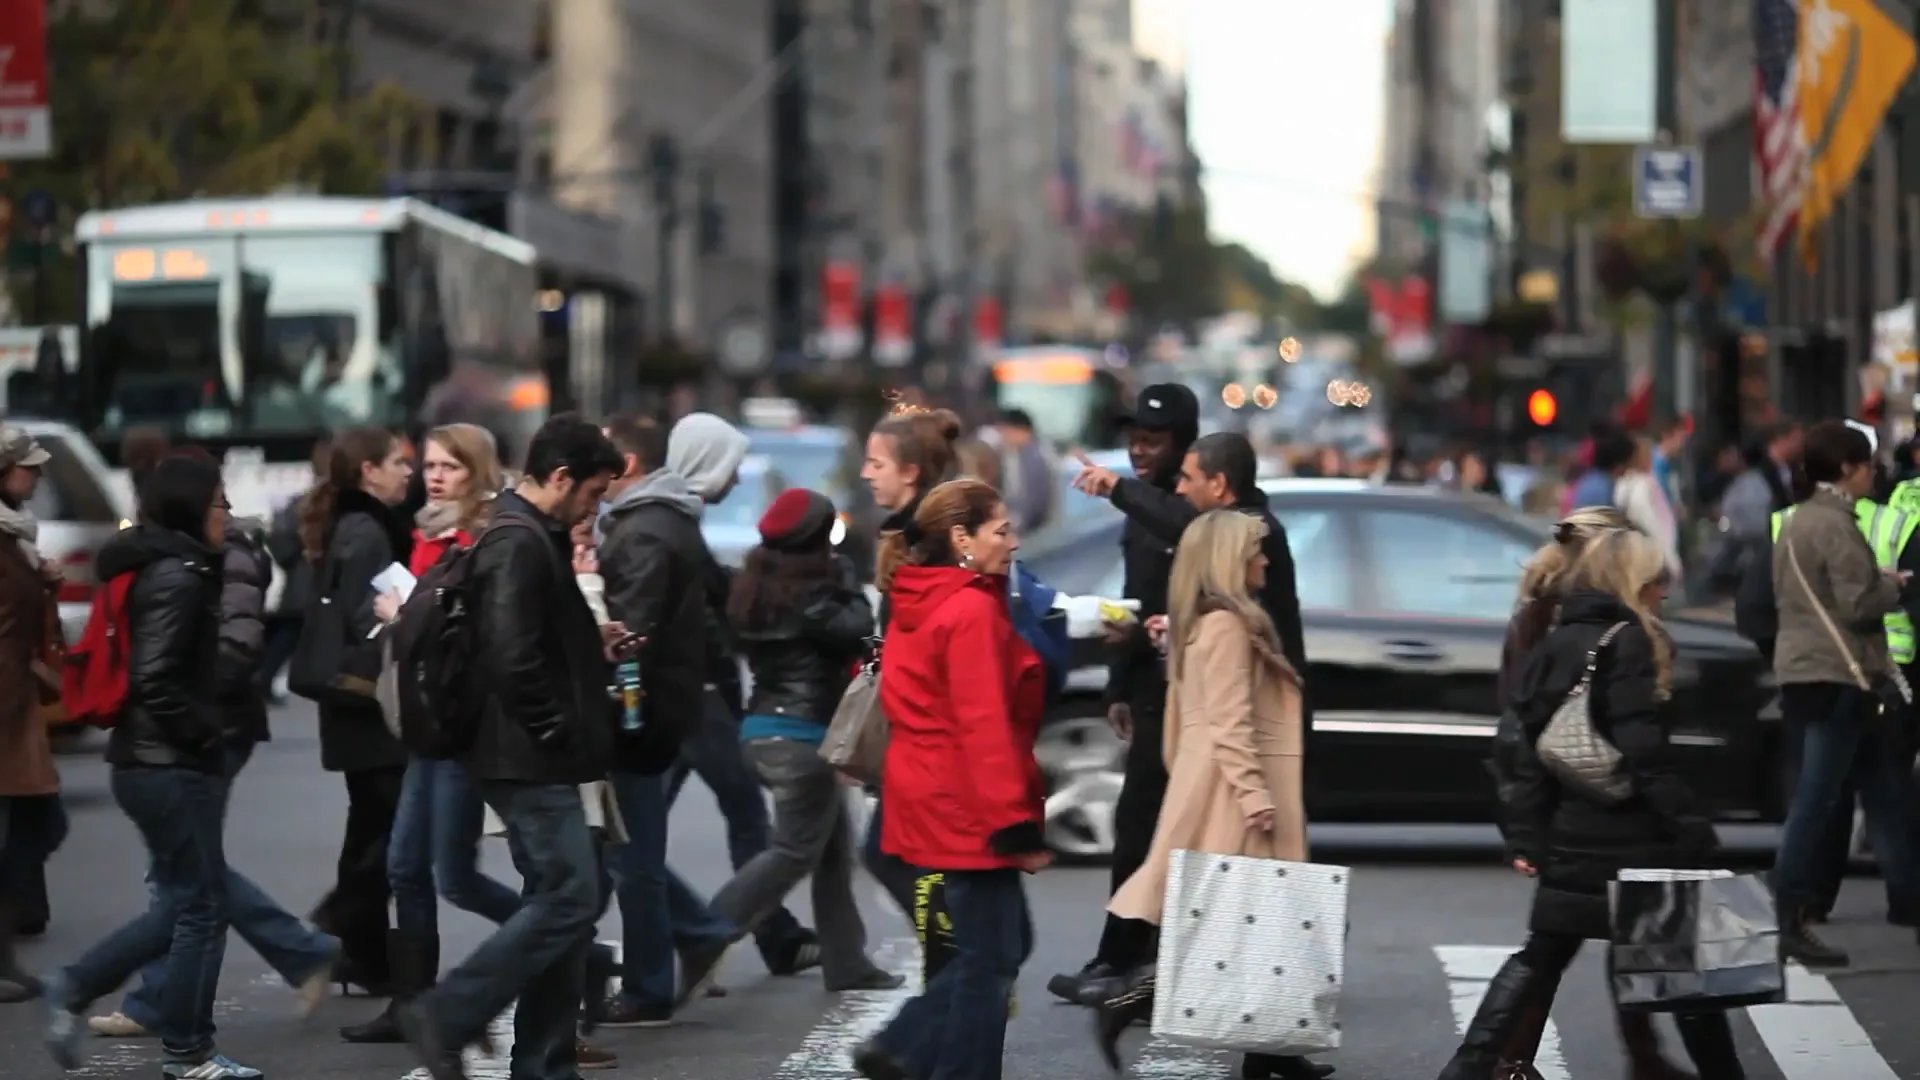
1252, 954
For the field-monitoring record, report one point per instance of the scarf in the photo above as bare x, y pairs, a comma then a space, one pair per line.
19, 523
437, 519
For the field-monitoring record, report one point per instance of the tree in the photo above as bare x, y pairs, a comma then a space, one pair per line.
156, 100
1167, 264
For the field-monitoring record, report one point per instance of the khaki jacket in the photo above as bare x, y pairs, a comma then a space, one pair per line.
1234, 741
1843, 580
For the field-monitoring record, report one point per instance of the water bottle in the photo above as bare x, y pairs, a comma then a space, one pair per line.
626, 686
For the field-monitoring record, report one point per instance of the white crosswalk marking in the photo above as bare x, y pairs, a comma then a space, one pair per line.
823, 1055
1813, 1035
1469, 969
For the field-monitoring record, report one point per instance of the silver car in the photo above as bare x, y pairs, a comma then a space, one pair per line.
80, 504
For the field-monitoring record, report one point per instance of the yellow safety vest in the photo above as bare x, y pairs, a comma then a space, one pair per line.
1905, 497
1887, 531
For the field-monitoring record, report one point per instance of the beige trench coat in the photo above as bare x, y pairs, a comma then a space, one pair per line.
1233, 747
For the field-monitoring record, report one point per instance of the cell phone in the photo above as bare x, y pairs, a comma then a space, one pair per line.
628, 642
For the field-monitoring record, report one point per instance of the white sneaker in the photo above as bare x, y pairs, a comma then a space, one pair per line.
117, 1026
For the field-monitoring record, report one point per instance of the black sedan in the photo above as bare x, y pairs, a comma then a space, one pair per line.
1405, 594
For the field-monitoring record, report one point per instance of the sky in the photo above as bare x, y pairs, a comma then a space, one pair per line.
1285, 104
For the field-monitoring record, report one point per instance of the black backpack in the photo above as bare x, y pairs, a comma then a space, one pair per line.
440, 695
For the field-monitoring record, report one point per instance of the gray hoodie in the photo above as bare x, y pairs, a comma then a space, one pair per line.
706, 451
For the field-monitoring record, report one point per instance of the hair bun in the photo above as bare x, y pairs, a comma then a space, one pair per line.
947, 422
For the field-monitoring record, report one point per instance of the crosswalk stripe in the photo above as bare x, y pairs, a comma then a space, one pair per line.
857, 1014
1469, 969
1814, 1035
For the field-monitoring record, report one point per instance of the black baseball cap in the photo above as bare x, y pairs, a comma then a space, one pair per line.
1165, 407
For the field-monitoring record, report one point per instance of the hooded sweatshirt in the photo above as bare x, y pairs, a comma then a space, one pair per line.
706, 452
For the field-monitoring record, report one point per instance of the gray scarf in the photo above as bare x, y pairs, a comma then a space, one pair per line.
437, 519
19, 523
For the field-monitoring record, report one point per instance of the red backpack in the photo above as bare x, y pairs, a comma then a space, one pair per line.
93, 688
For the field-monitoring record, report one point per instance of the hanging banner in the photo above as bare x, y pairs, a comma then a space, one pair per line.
988, 324
1609, 67
26, 130
840, 336
892, 326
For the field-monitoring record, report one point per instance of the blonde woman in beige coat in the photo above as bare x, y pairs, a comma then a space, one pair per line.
1233, 746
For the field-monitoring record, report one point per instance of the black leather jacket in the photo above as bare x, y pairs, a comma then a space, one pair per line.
802, 660
549, 719
171, 718
654, 561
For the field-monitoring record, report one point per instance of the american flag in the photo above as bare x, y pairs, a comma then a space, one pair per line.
1779, 146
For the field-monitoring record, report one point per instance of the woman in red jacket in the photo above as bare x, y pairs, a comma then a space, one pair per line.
963, 696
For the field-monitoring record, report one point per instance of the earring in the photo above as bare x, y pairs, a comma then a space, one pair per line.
966, 560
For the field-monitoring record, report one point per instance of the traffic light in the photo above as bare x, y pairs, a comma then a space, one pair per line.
1542, 407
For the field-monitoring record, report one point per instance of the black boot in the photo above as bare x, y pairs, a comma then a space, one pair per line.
1642, 1044
1516, 1061
1515, 988
1072, 988
415, 961
15, 984
1708, 1038
1120, 1012
1276, 1067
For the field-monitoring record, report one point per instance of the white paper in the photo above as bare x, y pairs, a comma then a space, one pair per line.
1083, 613
395, 578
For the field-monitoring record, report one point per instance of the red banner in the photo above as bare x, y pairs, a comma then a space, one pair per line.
840, 310
988, 324
26, 131
892, 325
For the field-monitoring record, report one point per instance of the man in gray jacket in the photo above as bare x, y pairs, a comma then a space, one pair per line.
1838, 681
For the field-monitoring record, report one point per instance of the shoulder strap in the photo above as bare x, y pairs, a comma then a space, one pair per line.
1826, 620
1593, 654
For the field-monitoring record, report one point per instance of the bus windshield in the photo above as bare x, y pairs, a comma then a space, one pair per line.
223, 336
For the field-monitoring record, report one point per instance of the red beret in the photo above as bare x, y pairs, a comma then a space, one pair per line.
796, 515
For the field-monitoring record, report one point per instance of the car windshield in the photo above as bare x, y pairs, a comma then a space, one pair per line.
69, 491
804, 463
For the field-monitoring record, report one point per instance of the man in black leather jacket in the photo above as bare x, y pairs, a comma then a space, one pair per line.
547, 728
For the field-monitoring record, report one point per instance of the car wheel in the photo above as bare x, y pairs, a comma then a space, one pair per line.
1084, 763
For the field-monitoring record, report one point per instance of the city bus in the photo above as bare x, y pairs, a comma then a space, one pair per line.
255, 326
1068, 391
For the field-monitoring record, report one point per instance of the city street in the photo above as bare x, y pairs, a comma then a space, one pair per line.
1429, 924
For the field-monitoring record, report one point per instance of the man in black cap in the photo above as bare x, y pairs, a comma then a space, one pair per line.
1165, 422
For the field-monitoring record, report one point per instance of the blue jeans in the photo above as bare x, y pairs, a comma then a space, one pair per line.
1846, 739
957, 1028
436, 841
713, 753
894, 873
658, 910
539, 955
179, 813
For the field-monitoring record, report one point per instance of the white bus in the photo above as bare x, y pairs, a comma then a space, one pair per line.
255, 326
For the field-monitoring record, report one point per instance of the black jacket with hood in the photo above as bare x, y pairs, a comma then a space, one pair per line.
655, 564
1579, 842
172, 718
548, 718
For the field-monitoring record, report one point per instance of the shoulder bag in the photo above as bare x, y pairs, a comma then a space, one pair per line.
1573, 750
1891, 693
856, 739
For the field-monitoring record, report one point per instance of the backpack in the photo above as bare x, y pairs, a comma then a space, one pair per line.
438, 693
93, 684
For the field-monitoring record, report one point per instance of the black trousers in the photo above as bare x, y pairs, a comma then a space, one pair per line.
1128, 943
356, 910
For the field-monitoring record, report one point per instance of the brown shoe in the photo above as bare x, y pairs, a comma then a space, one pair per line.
588, 1056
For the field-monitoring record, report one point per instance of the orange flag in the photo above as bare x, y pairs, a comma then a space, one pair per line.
1852, 60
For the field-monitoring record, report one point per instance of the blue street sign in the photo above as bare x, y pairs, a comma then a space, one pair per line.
1667, 182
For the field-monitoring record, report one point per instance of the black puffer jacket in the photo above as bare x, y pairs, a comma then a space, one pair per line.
1579, 842
548, 719
803, 660
246, 571
171, 717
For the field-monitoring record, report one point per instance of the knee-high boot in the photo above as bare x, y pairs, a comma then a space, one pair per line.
1642, 1044
1708, 1038
415, 960
1515, 988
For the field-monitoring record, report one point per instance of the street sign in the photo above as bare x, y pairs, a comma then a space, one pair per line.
1668, 182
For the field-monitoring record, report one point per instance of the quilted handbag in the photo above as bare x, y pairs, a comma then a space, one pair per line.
1573, 750
1252, 954
856, 739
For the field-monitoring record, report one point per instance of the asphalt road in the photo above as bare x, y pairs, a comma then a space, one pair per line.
1431, 912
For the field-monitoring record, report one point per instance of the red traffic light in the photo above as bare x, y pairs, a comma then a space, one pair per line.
1542, 408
